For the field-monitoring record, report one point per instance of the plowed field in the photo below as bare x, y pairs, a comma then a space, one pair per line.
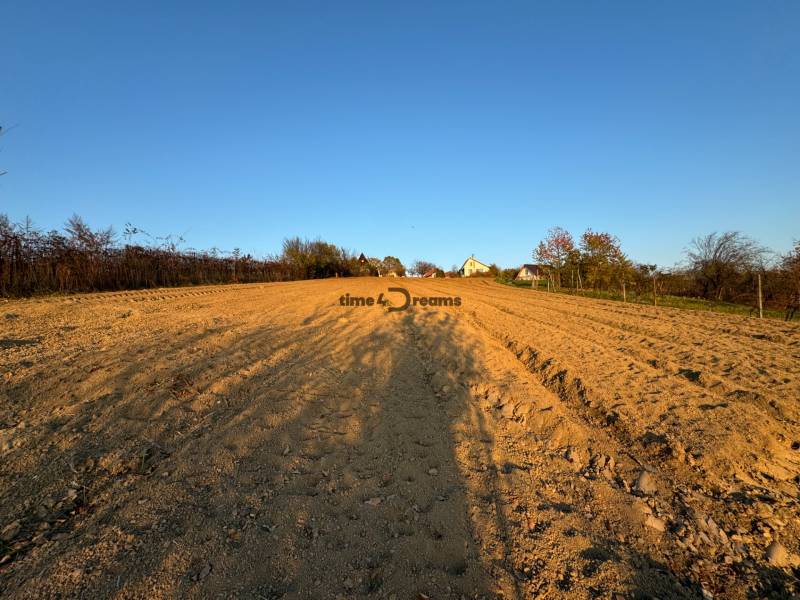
264, 441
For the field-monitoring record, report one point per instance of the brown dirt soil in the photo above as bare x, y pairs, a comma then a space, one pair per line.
263, 441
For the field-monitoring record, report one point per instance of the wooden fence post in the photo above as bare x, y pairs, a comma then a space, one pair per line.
655, 303
760, 302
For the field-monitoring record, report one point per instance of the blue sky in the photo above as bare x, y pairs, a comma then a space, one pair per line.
418, 129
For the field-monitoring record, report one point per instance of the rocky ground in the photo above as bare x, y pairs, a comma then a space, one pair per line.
264, 441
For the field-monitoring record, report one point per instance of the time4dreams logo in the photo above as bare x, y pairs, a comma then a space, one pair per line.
398, 298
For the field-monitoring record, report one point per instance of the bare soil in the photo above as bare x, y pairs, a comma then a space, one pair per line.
264, 441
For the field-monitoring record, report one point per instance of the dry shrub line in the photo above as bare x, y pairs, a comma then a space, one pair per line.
84, 260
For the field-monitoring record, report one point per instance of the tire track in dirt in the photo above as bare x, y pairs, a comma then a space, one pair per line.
783, 463
698, 492
660, 345
683, 326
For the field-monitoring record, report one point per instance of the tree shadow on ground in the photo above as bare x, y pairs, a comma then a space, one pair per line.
304, 457
274, 466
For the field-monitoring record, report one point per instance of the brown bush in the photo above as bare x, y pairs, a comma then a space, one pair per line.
84, 260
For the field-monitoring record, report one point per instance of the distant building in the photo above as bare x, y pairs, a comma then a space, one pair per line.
366, 267
471, 266
530, 273
430, 273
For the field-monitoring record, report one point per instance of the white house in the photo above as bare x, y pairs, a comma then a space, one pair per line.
530, 273
471, 266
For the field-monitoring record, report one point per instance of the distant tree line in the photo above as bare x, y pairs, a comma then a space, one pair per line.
382, 268
421, 267
81, 259
721, 267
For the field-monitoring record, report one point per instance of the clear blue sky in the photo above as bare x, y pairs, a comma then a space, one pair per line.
420, 129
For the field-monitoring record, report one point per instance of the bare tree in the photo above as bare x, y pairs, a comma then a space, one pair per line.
82, 236
420, 267
790, 266
718, 260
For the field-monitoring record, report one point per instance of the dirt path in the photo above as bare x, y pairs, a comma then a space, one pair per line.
265, 442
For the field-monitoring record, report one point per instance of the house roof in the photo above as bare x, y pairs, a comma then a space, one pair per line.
531, 268
429, 273
476, 260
